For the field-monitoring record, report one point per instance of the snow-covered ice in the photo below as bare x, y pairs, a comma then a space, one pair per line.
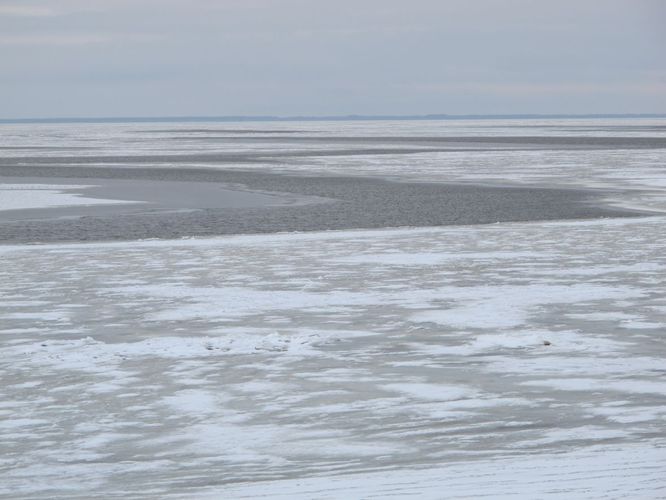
505, 360
205, 367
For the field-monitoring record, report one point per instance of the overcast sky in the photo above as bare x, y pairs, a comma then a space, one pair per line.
89, 58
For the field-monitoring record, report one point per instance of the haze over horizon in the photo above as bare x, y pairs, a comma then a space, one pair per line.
94, 58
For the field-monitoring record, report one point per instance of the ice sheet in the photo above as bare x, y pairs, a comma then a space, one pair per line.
637, 170
310, 364
508, 360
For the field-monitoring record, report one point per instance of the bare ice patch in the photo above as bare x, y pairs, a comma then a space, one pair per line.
27, 196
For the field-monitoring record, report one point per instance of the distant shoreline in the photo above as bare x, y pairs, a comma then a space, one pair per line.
268, 118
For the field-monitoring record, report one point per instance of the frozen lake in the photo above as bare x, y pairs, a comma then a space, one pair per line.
138, 203
518, 358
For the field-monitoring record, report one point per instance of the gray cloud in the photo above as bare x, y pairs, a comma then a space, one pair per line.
217, 57
20, 10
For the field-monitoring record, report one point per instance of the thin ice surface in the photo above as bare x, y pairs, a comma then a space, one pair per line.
243, 366
23, 196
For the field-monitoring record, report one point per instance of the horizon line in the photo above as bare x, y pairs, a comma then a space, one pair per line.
349, 117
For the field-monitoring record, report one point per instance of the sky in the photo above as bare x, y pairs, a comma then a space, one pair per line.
92, 58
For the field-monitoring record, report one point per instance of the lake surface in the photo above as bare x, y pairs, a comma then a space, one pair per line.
475, 358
